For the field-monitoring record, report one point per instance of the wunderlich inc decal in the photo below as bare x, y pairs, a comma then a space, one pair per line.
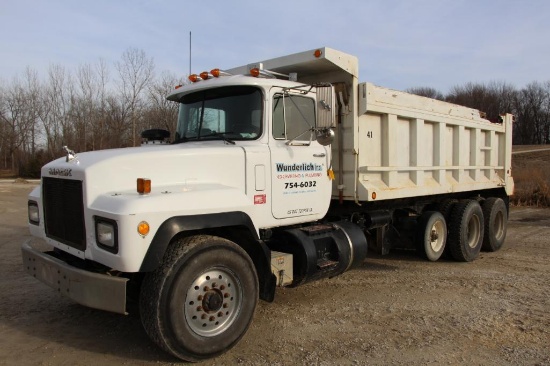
302, 167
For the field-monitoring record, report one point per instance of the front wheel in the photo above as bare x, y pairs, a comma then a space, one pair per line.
201, 300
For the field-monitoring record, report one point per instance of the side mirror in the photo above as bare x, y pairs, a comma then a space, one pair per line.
325, 107
325, 114
325, 136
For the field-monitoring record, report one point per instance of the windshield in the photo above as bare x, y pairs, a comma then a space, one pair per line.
229, 113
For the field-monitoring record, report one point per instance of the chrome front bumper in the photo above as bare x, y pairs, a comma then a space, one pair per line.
98, 291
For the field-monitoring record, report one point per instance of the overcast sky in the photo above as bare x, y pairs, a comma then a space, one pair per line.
399, 43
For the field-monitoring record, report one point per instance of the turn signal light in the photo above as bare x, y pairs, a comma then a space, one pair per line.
143, 228
143, 185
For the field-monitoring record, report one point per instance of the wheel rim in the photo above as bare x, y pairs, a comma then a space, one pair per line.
437, 236
498, 226
213, 302
474, 230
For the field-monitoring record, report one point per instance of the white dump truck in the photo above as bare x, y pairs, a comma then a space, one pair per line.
281, 172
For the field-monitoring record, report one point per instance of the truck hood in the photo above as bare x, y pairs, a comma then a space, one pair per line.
116, 171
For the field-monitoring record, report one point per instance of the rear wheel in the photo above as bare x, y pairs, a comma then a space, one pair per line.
431, 234
466, 230
496, 221
446, 208
201, 300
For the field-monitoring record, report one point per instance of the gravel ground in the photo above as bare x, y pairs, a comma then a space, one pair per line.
397, 309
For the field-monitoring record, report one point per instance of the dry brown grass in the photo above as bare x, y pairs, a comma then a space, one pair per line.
6, 174
531, 172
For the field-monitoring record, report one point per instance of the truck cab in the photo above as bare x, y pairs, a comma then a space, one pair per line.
273, 122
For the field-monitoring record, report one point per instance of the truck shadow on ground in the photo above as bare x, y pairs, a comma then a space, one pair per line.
75, 328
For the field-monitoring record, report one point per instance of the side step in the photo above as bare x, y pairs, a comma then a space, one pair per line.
282, 268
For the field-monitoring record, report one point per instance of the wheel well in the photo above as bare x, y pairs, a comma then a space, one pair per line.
234, 226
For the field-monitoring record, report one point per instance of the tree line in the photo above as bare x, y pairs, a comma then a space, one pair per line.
87, 109
92, 108
530, 106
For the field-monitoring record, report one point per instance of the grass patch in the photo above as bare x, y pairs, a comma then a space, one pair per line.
531, 172
7, 174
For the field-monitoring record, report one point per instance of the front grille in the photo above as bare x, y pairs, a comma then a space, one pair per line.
64, 211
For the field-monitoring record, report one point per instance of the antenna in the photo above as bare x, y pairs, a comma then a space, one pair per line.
189, 53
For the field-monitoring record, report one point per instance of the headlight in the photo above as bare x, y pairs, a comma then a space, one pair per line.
34, 214
106, 234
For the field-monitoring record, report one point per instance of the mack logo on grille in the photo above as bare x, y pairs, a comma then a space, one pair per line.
60, 172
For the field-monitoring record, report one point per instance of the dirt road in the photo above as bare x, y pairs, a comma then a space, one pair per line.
395, 310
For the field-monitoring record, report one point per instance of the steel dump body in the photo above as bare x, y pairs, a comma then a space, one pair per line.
409, 145
396, 145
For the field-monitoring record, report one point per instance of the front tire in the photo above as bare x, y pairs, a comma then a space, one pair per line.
201, 300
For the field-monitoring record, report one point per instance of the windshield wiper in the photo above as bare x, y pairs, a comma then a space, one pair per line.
184, 139
222, 135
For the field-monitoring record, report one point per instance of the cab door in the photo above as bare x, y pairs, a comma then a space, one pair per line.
299, 164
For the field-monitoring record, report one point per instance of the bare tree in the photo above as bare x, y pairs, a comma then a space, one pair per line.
136, 72
55, 109
161, 113
92, 93
531, 104
17, 119
425, 91
493, 99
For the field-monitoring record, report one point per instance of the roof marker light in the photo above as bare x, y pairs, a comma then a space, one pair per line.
317, 53
205, 75
217, 73
255, 72
194, 78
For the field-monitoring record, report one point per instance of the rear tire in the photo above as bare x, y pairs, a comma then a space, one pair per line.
496, 222
466, 230
446, 208
431, 235
201, 300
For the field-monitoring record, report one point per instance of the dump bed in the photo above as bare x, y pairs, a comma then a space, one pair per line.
394, 144
403, 145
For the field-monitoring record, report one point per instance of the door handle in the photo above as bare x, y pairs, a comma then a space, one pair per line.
322, 155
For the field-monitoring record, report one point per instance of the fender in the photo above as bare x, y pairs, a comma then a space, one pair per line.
177, 224
256, 248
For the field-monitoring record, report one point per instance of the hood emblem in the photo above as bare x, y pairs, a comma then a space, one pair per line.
71, 155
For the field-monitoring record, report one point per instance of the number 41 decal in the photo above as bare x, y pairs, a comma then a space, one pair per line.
369, 134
